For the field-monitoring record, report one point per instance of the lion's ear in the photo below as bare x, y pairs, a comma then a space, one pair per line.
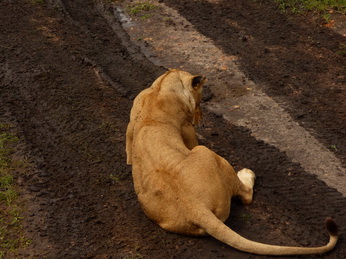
197, 81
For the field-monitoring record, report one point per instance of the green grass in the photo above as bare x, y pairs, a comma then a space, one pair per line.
139, 7
320, 6
334, 148
341, 52
245, 218
38, 1
11, 234
5, 139
145, 16
114, 178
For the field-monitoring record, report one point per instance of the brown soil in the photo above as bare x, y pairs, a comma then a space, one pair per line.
67, 82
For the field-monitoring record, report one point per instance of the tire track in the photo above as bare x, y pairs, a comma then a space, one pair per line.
240, 101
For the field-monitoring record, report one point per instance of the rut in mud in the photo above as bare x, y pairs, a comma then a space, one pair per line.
67, 82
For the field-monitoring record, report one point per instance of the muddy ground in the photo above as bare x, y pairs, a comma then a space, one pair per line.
67, 83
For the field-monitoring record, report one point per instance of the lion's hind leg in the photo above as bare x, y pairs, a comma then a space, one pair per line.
247, 178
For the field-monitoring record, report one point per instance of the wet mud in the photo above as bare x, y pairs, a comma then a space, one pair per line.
67, 83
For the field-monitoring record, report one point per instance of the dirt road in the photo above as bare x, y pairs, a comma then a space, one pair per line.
68, 76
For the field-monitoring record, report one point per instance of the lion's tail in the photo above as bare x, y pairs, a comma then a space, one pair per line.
216, 228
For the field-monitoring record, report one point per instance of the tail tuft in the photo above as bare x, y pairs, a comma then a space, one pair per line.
331, 226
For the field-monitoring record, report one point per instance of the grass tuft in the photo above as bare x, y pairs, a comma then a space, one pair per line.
11, 234
38, 1
341, 52
139, 7
320, 6
245, 218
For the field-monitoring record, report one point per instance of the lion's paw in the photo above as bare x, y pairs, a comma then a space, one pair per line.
247, 177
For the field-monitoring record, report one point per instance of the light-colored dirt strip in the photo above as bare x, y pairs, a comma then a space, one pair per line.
270, 123
172, 40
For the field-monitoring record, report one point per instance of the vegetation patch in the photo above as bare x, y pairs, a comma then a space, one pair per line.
140, 7
342, 52
321, 6
245, 218
11, 234
38, 1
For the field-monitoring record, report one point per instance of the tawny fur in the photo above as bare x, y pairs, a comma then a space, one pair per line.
183, 187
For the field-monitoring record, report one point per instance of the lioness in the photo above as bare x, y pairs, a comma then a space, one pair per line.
183, 187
